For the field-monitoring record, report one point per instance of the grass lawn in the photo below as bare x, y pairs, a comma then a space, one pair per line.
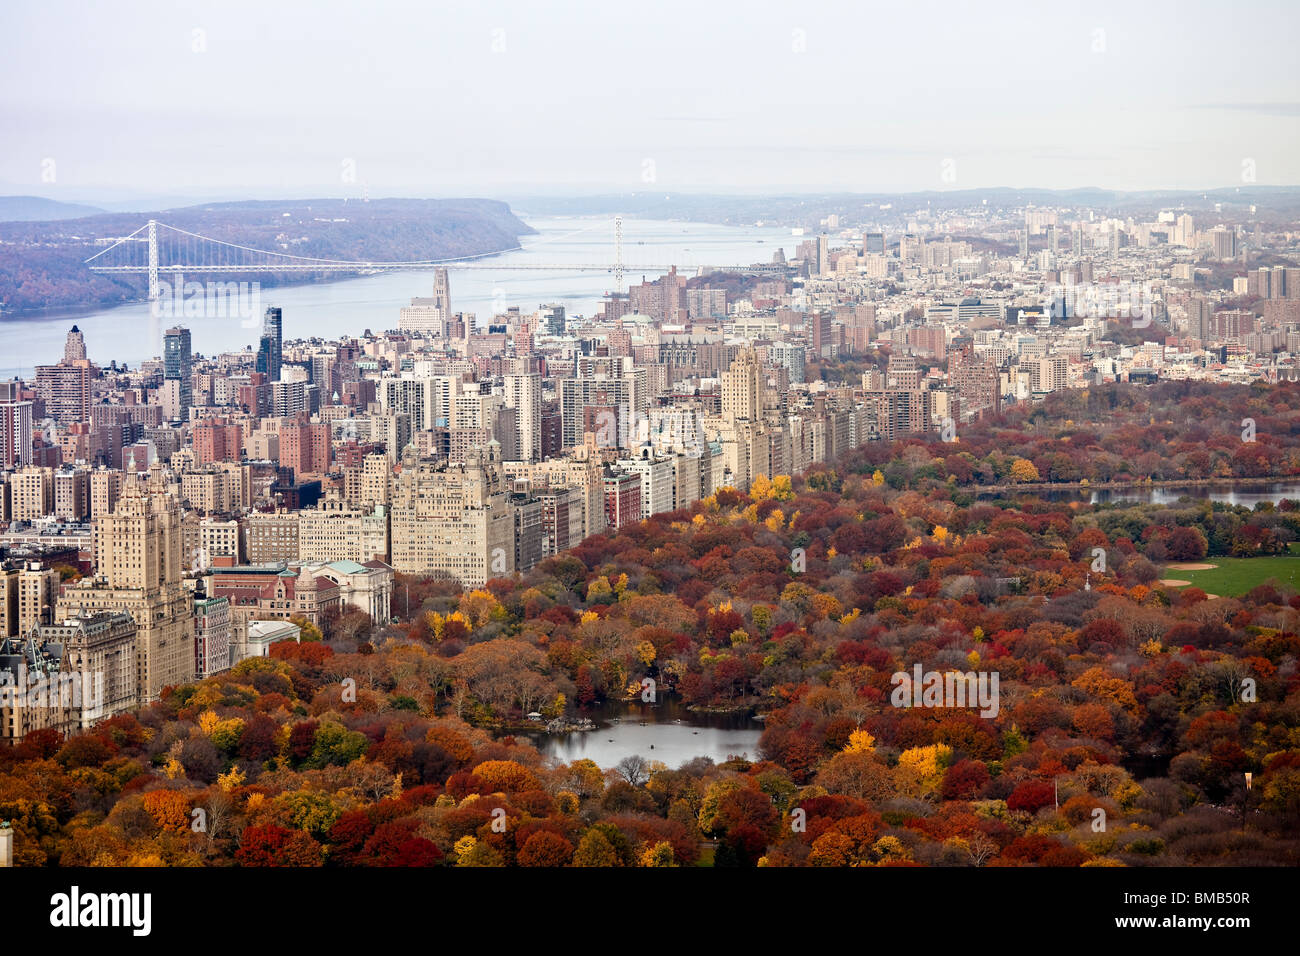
1235, 576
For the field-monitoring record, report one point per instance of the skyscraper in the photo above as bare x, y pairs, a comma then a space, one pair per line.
177, 365
270, 350
453, 521
524, 393
742, 389
27, 596
65, 388
74, 347
1224, 242
15, 427
441, 292
138, 570
264, 347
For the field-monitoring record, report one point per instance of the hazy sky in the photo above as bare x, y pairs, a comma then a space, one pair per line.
448, 98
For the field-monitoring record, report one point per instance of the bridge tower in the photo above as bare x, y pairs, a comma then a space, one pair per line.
155, 326
618, 254
153, 261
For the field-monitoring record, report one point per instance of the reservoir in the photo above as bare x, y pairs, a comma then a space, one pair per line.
1247, 495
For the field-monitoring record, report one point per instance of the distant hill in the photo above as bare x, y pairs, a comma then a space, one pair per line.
1273, 204
36, 209
42, 264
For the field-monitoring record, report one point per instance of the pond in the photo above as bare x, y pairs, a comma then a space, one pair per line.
666, 731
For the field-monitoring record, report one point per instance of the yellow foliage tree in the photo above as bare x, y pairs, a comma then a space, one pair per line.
1022, 469
797, 594
479, 607
926, 764
227, 734
1104, 686
661, 854
438, 622
890, 849
826, 605
860, 742
761, 488
507, 776
232, 780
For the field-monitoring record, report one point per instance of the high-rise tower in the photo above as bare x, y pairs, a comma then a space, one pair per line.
272, 343
177, 365
74, 347
139, 569
442, 292
742, 388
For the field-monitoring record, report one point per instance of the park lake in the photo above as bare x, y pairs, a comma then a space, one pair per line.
666, 731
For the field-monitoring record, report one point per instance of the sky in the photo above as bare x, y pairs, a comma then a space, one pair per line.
238, 99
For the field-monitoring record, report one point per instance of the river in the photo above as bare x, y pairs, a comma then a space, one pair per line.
348, 307
666, 731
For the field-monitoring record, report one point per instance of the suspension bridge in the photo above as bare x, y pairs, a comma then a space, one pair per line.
157, 249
